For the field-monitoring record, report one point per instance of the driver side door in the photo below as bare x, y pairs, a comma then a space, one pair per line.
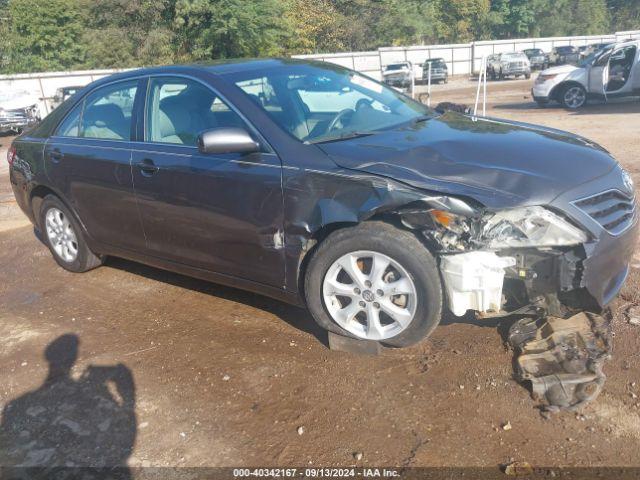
620, 70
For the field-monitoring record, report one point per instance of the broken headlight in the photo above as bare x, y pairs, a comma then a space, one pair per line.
530, 227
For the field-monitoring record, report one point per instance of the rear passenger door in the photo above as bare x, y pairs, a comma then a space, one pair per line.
217, 212
88, 161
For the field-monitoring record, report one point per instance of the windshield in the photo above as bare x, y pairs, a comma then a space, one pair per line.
534, 52
593, 56
513, 56
436, 63
566, 50
316, 103
396, 66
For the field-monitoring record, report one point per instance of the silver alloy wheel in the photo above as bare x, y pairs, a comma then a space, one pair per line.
61, 235
370, 295
574, 97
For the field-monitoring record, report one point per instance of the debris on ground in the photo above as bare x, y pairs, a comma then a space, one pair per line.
507, 426
518, 469
562, 358
633, 315
444, 107
300, 430
357, 456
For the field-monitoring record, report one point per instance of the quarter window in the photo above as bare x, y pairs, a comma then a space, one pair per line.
108, 111
178, 110
70, 127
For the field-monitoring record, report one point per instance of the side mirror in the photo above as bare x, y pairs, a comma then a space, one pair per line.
227, 140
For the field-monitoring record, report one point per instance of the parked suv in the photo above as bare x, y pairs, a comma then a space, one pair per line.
439, 70
321, 187
62, 94
537, 58
398, 74
612, 72
501, 65
566, 55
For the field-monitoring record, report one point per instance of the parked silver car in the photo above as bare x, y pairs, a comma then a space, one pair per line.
398, 74
612, 72
509, 64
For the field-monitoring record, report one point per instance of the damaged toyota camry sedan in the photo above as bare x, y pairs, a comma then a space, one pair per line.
313, 184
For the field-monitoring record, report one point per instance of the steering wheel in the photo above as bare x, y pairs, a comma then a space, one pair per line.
363, 102
338, 117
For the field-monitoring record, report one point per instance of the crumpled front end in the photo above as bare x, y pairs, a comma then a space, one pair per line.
16, 120
572, 255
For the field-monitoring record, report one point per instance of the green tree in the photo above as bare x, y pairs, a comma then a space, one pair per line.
43, 35
625, 14
314, 26
208, 29
139, 29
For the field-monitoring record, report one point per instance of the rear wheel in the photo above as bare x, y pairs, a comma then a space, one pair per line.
375, 282
63, 236
573, 96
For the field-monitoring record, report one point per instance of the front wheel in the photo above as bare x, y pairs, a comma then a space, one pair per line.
573, 97
375, 282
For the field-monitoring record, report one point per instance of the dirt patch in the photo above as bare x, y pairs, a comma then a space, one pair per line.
221, 377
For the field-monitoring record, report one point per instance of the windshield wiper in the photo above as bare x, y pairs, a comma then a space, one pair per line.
337, 138
421, 118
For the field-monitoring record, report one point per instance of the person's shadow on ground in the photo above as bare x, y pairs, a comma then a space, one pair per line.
67, 425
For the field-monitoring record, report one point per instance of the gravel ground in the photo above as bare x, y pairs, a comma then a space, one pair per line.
172, 371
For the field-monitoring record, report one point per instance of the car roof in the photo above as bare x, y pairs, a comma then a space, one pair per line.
219, 67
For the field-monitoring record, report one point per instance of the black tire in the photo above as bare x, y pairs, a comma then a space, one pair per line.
563, 96
501, 75
527, 76
400, 245
85, 259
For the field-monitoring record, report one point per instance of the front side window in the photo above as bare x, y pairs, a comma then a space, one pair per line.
315, 103
178, 110
108, 111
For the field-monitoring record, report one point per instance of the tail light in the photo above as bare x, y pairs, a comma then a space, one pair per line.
11, 155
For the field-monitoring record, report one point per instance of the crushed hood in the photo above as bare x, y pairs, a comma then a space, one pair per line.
498, 163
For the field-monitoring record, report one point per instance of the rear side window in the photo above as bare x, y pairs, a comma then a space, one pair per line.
108, 111
178, 110
70, 127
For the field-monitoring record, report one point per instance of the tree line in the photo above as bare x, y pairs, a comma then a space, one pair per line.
45, 35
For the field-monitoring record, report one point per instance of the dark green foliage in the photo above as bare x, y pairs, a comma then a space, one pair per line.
39, 35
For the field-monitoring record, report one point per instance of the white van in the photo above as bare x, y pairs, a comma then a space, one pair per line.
611, 72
